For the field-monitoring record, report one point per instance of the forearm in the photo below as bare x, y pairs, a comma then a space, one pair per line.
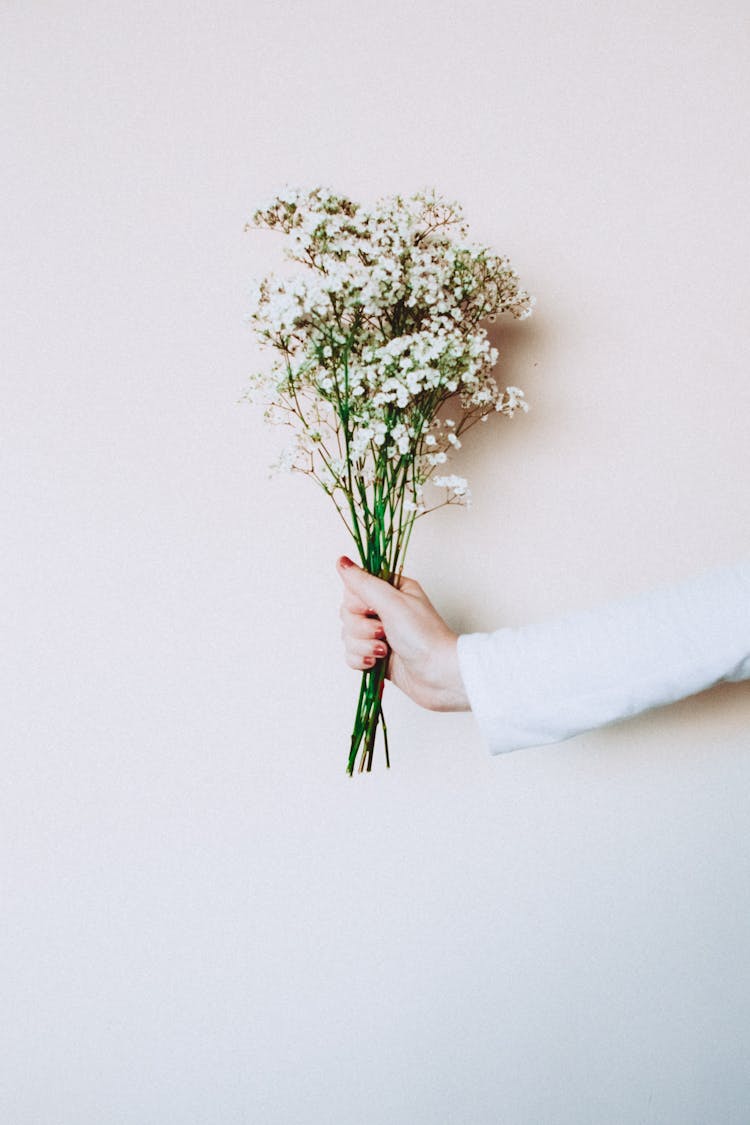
546, 682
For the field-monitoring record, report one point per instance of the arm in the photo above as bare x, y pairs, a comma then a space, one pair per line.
546, 682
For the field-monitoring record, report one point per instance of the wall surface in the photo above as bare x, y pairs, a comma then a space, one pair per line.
204, 920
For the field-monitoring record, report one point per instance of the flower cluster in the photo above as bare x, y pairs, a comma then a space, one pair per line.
378, 331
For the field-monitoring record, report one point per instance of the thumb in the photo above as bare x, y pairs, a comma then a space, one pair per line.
372, 592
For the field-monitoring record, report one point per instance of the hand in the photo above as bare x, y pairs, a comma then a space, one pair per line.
423, 659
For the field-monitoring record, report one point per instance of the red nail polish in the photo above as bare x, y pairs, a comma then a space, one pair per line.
345, 562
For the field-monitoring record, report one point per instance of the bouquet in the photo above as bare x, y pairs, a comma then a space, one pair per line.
380, 365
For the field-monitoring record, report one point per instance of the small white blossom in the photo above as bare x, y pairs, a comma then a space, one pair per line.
457, 485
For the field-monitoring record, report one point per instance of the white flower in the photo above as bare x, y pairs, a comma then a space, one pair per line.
513, 400
457, 485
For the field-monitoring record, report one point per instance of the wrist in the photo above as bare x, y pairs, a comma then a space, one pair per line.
447, 691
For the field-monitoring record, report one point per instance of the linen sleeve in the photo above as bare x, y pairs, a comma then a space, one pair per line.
546, 682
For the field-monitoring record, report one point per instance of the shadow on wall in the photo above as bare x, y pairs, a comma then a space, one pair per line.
711, 716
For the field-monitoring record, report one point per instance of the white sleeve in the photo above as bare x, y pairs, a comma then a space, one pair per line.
546, 682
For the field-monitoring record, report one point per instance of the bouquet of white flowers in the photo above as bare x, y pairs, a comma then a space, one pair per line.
374, 337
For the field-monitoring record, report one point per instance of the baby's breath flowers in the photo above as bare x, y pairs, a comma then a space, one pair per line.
375, 338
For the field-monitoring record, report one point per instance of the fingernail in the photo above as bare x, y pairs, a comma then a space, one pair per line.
380, 634
345, 562
380, 650
369, 661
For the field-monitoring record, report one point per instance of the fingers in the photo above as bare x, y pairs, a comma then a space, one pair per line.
356, 624
370, 591
362, 654
364, 599
354, 605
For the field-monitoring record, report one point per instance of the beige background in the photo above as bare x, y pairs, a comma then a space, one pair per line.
204, 920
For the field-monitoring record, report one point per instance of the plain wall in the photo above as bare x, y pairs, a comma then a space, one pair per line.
204, 920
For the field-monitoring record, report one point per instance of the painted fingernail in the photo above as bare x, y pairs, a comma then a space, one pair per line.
380, 650
369, 661
345, 562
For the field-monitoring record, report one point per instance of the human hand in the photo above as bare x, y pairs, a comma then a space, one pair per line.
423, 659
